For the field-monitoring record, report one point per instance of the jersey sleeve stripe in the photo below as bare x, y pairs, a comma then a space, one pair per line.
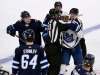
45, 66
15, 67
44, 61
15, 62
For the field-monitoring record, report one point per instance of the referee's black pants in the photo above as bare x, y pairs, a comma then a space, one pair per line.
53, 51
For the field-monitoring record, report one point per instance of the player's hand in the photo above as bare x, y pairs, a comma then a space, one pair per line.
11, 30
65, 18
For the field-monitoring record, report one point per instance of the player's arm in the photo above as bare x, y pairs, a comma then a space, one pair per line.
47, 19
40, 26
44, 63
75, 26
70, 25
16, 63
45, 32
11, 29
46, 23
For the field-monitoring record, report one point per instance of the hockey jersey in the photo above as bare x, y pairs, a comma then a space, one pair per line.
79, 70
21, 26
71, 37
55, 27
30, 60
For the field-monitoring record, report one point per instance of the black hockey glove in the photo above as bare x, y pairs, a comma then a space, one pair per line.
11, 30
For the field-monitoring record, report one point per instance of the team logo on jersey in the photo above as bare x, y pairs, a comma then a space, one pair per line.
69, 39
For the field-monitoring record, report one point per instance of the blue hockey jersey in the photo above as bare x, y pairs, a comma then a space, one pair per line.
20, 26
79, 70
30, 60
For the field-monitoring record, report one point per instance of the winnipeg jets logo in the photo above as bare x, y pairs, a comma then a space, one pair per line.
68, 37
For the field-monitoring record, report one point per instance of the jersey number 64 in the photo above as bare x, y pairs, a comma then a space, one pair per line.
25, 62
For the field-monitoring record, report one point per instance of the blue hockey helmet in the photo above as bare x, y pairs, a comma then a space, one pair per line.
29, 35
89, 59
25, 14
74, 11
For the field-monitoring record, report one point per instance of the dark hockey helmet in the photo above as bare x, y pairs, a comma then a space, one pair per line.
58, 3
29, 35
25, 14
54, 12
74, 11
89, 59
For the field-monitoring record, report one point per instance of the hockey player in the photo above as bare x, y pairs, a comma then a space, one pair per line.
26, 23
72, 12
86, 68
69, 40
29, 59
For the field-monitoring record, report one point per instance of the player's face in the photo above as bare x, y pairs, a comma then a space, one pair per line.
27, 20
58, 7
87, 67
73, 16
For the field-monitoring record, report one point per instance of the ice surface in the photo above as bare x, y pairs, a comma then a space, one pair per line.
10, 13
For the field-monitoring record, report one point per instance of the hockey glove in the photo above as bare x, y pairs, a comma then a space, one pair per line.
11, 30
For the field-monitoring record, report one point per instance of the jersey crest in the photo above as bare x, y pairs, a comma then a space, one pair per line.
69, 39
